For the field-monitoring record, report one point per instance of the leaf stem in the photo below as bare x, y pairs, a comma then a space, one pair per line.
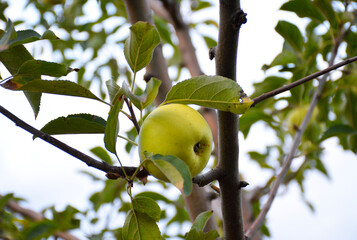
127, 139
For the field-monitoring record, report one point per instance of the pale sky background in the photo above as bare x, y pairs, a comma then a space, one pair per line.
46, 176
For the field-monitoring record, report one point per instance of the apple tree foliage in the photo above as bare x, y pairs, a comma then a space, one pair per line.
329, 35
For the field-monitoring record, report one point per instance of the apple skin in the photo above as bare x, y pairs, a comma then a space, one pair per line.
178, 130
297, 115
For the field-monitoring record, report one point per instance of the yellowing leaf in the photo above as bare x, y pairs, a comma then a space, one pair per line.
210, 91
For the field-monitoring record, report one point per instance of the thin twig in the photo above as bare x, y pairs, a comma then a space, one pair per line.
265, 96
91, 162
206, 178
132, 114
170, 10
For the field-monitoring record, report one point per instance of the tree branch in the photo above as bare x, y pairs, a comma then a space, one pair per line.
187, 49
35, 216
270, 94
230, 21
297, 138
132, 114
111, 171
204, 179
139, 10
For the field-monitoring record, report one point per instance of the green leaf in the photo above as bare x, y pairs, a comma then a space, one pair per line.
260, 159
327, 10
270, 83
163, 29
115, 92
201, 220
139, 226
112, 127
13, 58
75, 124
102, 154
9, 34
291, 34
175, 170
254, 115
196, 231
149, 95
13, 38
155, 196
61, 87
48, 34
337, 130
38, 67
210, 42
139, 47
39, 230
34, 98
303, 8
210, 91
194, 235
283, 58
148, 206
25, 36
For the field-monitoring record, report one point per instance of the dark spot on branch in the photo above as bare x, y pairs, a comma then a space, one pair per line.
212, 53
148, 76
243, 184
239, 18
113, 175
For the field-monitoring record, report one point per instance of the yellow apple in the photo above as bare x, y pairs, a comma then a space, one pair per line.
178, 130
297, 115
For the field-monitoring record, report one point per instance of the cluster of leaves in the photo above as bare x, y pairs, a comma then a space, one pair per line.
329, 25
209, 91
329, 31
16, 226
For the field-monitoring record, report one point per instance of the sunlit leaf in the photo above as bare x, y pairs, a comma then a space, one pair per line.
102, 154
140, 45
210, 91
